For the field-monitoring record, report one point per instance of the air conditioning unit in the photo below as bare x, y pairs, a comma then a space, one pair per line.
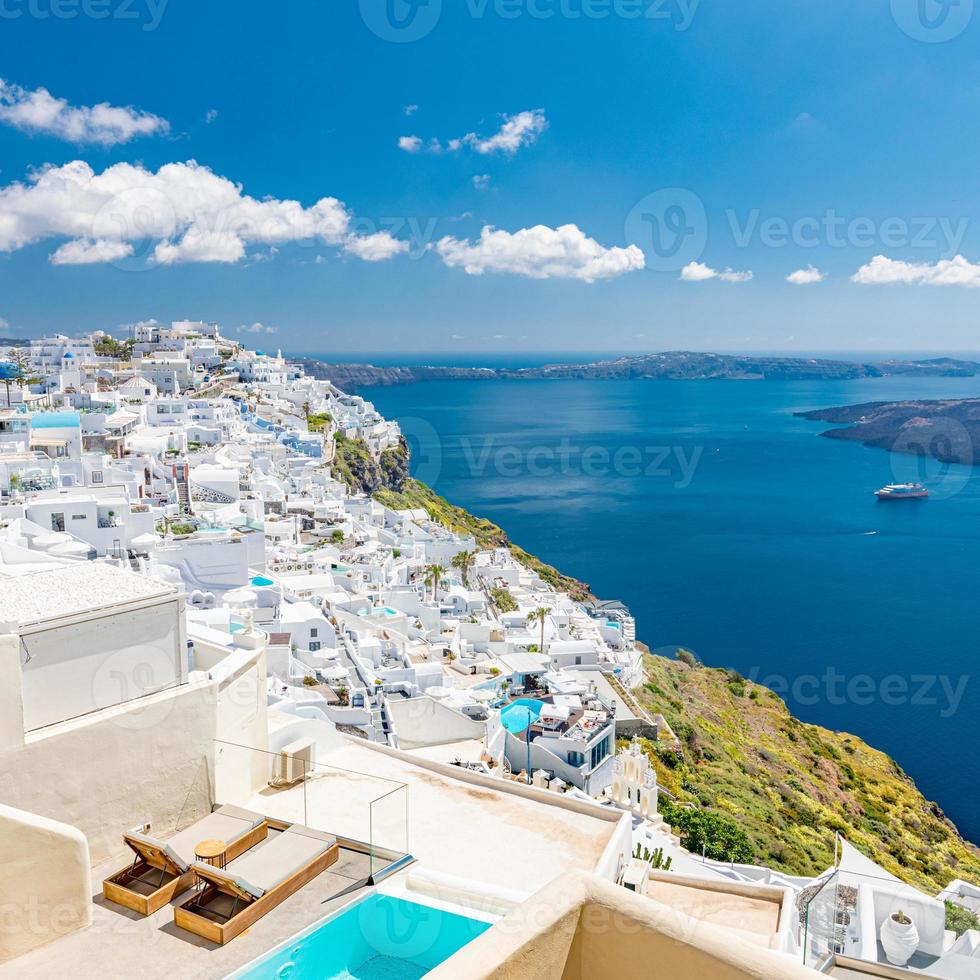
294, 762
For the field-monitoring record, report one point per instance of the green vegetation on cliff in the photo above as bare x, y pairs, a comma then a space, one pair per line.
788, 786
416, 495
354, 465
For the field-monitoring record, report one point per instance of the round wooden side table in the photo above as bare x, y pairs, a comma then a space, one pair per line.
212, 851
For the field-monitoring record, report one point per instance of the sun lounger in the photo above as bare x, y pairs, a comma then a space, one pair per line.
232, 898
161, 870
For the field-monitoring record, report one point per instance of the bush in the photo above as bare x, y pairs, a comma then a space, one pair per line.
502, 599
718, 837
310, 681
960, 919
686, 657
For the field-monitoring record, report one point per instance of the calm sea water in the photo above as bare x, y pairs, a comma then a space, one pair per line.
730, 527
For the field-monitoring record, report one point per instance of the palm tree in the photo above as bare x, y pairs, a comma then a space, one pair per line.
540, 615
433, 575
306, 413
464, 561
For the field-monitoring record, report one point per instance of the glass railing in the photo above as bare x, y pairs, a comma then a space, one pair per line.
368, 814
824, 922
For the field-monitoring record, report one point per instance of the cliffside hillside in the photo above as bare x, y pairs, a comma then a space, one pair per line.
768, 787
789, 786
354, 465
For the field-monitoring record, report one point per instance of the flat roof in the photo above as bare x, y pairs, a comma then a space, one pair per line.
71, 589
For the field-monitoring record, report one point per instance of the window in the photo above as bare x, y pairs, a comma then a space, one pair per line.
314, 646
599, 752
97, 476
78, 517
313, 631
575, 759
57, 522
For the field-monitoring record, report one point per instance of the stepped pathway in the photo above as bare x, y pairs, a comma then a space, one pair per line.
658, 720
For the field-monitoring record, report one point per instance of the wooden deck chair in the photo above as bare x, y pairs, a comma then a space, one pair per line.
161, 870
231, 899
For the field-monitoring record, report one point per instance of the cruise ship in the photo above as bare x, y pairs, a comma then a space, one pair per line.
902, 491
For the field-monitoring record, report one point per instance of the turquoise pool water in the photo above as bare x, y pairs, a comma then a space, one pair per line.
380, 938
261, 580
519, 714
56, 420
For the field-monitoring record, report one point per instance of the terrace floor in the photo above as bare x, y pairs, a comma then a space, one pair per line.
456, 827
120, 943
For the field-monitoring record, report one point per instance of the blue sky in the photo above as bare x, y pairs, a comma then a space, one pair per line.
660, 160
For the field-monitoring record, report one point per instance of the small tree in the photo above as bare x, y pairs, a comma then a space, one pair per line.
433, 576
464, 561
539, 615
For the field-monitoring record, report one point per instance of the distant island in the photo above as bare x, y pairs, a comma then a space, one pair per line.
666, 366
945, 429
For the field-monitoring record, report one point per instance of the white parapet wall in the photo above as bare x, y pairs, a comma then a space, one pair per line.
146, 761
45, 885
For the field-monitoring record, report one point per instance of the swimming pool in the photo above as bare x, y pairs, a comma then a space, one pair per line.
519, 714
379, 938
261, 580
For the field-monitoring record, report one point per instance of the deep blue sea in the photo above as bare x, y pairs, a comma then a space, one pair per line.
732, 528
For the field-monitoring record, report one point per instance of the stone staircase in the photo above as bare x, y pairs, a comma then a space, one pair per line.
628, 699
183, 495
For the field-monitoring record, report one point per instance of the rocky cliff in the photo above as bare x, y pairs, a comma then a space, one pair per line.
947, 430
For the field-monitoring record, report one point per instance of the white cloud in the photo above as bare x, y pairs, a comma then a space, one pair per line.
540, 253
882, 271
457, 336
699, 272
39, 111
375, 248
481, 181
806, 277
186, 212
516, 131
83, 251
256, 328
410, 110
210, 116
